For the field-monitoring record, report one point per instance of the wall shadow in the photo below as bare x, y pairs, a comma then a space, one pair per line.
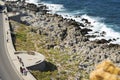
12, 35
17, 18
43, 66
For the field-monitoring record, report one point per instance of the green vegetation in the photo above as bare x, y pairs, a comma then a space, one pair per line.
43, 75
27, 39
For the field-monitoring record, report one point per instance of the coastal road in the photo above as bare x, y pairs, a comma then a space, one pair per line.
7, 69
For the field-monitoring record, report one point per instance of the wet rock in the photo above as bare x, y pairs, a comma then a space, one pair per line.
83, 19
102, 41
109, 40
81, 25
103, 33
91, 36
85, 31
113, 45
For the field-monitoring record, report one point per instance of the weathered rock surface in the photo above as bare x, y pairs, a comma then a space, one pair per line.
106, 70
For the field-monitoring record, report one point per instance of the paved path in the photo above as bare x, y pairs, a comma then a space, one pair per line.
30, 59
9, 64
7, 69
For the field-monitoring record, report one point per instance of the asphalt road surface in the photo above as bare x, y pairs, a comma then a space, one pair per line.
7, 69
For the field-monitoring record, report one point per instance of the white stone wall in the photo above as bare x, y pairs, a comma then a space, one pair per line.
11, 0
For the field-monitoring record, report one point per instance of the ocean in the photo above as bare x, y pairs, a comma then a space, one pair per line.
103, 14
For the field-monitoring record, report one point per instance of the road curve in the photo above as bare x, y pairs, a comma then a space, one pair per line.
7, 69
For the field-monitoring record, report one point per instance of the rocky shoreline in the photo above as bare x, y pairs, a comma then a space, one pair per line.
62, 34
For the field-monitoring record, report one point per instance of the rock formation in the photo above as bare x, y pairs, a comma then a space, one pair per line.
106, 70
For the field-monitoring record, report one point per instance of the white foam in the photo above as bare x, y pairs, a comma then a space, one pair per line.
54, 8
32, 1
97, 22
100, 27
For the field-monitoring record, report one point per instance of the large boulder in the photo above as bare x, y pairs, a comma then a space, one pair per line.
85, 31
106, 70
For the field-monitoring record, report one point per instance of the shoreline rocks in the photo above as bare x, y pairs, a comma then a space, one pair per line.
70, 34
65, 33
